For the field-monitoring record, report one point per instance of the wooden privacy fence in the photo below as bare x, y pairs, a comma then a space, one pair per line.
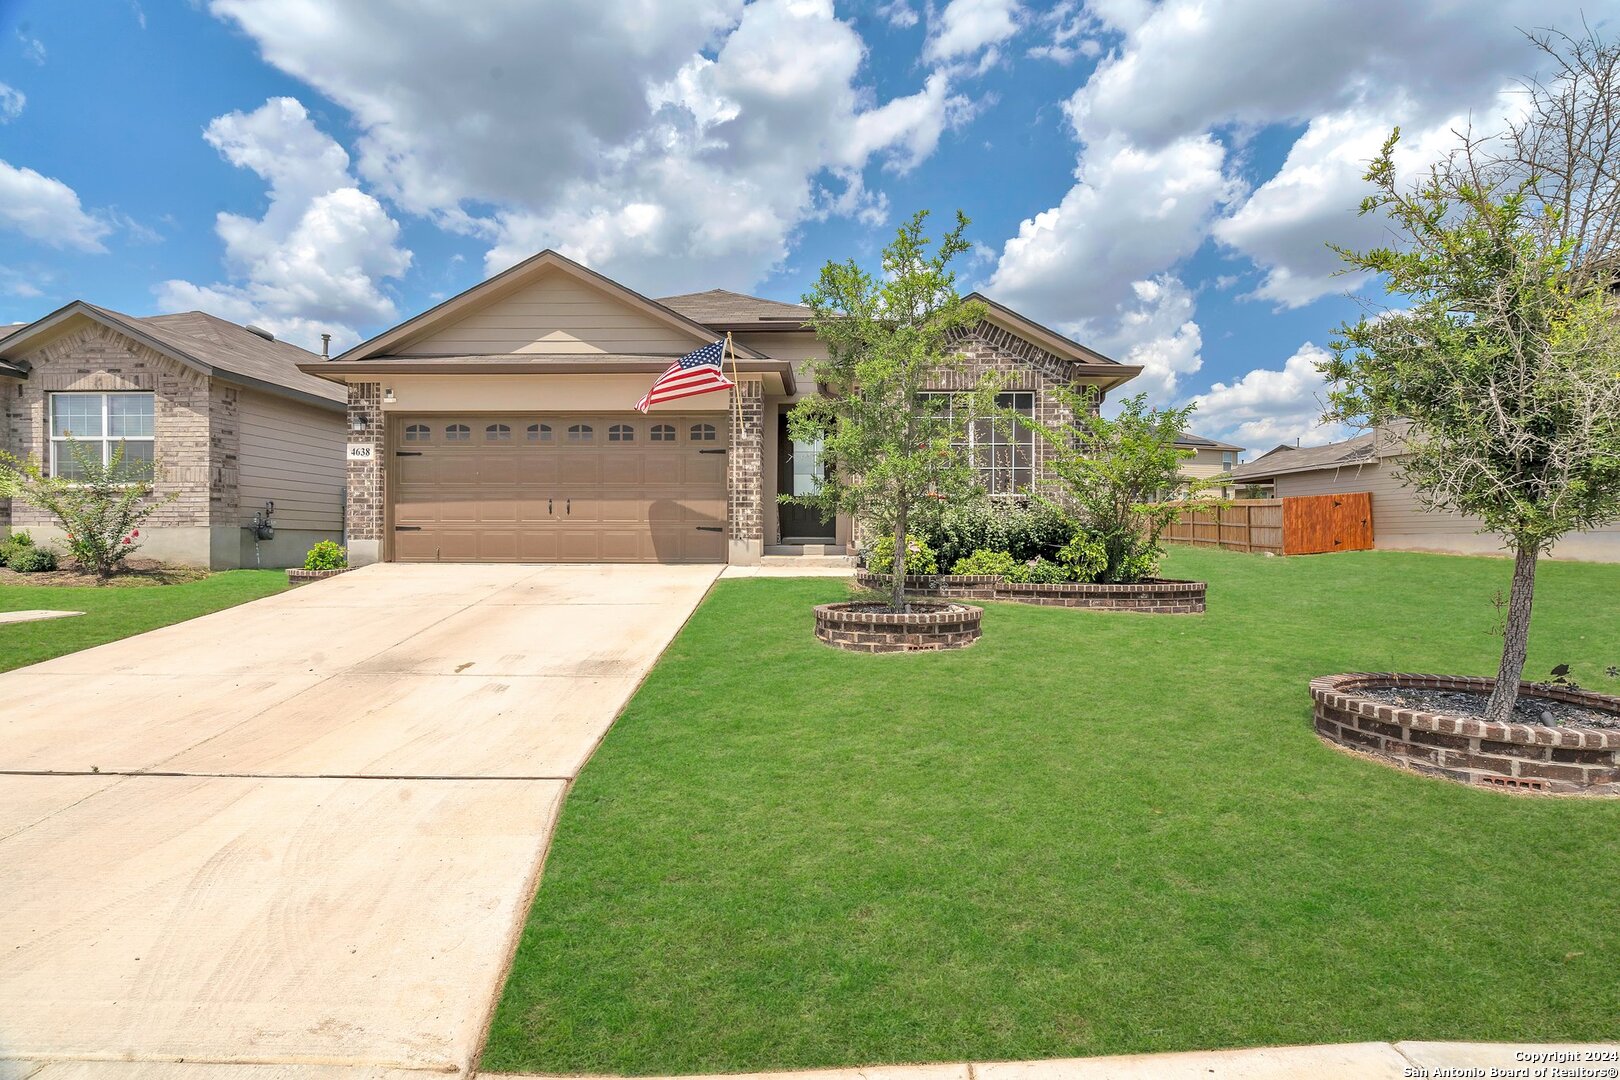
1298, 525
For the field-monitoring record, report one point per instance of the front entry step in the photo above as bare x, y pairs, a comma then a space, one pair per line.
808, 560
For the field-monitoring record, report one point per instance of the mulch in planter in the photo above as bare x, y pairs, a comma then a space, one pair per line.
1471, 706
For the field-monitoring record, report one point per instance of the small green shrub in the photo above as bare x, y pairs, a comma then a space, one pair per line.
1084, 556
1023, 530
920, 557
13, 545
985, 561
1038, 571
31, 560
326, 555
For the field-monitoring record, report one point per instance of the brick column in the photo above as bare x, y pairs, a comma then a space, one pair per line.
364, 510
745, 475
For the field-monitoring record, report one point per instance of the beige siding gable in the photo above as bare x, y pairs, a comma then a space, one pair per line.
555, 313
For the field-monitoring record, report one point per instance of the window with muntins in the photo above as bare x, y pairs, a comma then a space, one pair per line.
621, 433
498, 433
418, 433
457, 433
99, 423
703, 433
580, 433
1004, 460
662, 433
539, 432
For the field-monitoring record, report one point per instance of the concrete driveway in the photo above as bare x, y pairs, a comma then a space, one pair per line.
303, 832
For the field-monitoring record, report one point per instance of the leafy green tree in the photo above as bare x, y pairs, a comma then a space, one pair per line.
1501, 372
893, 452
100, 510
1113, 479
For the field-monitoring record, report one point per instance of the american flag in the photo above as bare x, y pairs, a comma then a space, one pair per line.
694, 373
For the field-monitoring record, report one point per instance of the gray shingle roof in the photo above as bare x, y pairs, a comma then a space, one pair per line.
723, 307
1289, 459
1198, 442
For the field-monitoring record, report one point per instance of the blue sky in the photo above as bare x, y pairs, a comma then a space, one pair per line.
1156, 179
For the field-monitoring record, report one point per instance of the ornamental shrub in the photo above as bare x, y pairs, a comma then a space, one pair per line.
1084, 556
14, 545
920, 557
326, 555
985, 561
1038, 571
1024, 531
31, 560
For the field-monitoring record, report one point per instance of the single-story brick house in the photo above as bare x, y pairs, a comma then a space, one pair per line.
1370, 462
500, 425
223, 413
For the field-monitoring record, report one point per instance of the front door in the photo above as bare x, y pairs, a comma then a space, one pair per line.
799, 472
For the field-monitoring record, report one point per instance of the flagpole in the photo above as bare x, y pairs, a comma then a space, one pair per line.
736, 382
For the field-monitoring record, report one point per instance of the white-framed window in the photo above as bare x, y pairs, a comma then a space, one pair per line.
1228, 460
1004, 460
98, 423
418, 433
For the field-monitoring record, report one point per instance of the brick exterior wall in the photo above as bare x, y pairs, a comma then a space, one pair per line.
195, 436
367, 500
745, 465
1509, 757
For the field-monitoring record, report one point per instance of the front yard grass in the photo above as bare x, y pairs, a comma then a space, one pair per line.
118, 611
1088, 834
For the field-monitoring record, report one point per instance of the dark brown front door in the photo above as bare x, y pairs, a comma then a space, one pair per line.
798, 470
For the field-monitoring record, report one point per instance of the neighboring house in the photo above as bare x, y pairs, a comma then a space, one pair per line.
1210, 458
1369, 462
499, 425
222, 412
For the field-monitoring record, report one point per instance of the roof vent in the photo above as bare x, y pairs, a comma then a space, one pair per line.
261, 331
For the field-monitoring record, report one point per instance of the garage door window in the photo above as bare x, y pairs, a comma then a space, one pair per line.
662, 433
580, 433
498, 433
418, 433
539, 432
703, 433
621, 433
457, 433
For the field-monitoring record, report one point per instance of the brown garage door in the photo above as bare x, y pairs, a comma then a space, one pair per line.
560, 488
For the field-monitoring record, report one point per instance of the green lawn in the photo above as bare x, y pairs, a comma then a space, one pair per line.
118, 611
1088, 834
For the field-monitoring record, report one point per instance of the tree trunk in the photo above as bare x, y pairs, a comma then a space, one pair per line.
897, 583
1515, 635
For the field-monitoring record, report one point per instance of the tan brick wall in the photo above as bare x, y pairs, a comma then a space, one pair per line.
367, 499
745, 465
192, 462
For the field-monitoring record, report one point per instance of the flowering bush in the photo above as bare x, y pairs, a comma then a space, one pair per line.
326, 555
920, 558
100, 510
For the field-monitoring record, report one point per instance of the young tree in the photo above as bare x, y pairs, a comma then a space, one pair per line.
1112, 479
100, 510
892, 454
1502, 375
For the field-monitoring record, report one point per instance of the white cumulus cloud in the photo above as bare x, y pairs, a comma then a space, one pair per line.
316, 259
12, 101
46, 210
965, 27
1269, 406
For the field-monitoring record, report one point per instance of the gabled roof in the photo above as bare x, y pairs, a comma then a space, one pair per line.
1198, 442
722, 308
1090, 362
203, 342
511, 278
1293, 459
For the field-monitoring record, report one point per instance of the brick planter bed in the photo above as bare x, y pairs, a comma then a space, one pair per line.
299, 576
1153, 595
934, 627
1506, 757
948, 586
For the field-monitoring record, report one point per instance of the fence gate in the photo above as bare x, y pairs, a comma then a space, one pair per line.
1316, 523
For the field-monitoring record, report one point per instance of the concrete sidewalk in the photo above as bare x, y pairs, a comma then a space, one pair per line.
298, 837
1349, 1061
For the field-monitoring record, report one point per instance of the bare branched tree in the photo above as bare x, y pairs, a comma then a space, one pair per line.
1502, 375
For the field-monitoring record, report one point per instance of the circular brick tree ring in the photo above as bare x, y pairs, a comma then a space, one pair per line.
927, 627
1507, 757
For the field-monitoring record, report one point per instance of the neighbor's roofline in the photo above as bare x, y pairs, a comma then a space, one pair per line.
118, 324
547, 257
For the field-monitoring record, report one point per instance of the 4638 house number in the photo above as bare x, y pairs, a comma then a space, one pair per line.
362, 451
